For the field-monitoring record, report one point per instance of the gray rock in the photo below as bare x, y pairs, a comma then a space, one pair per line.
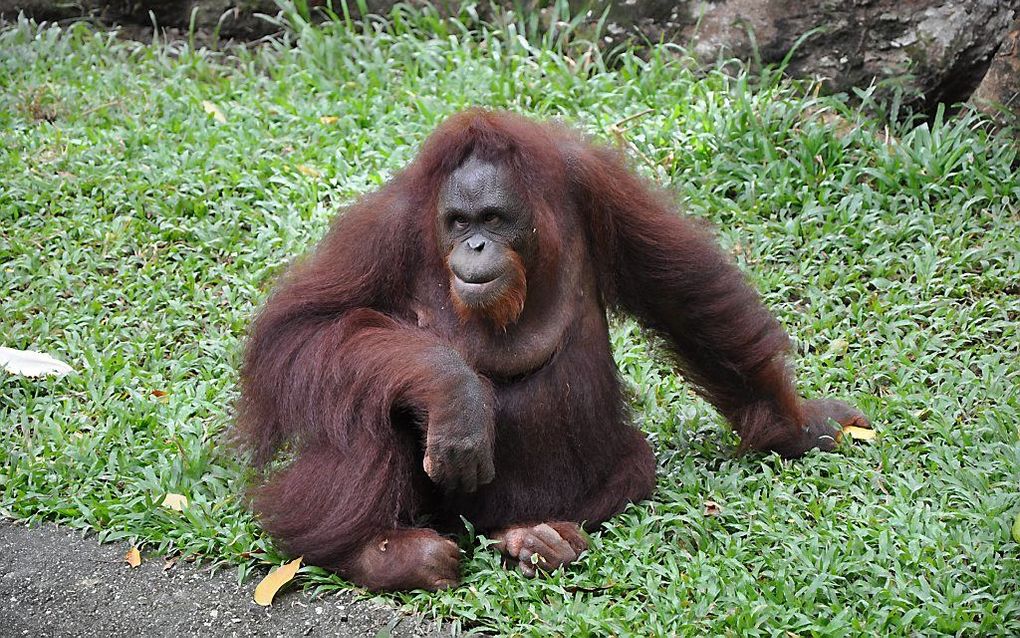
934, 51
999, 92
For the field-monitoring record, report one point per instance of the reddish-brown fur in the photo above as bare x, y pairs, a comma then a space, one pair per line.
509, 306
362, 334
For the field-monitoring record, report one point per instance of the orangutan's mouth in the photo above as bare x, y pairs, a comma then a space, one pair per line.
479, 294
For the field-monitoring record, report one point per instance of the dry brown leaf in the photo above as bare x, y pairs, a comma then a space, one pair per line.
214, 111
133, 557
308, 171
175, 501
712, 508
276, 579
858, 433
328, 119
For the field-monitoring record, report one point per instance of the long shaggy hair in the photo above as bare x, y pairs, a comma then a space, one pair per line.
340, 366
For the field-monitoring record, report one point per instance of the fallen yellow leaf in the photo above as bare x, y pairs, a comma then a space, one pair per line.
276, 579
839, 346
859, 434
175, 501
308, 170
133, 557
214, 111
328, 119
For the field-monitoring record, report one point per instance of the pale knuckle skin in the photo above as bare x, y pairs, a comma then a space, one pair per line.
462, 465
461, 426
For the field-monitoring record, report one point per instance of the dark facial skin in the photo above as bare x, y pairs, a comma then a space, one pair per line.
482, 221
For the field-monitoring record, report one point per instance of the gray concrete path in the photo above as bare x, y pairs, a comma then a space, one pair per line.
54, 582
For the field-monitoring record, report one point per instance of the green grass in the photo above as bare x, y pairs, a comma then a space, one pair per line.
138, 236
